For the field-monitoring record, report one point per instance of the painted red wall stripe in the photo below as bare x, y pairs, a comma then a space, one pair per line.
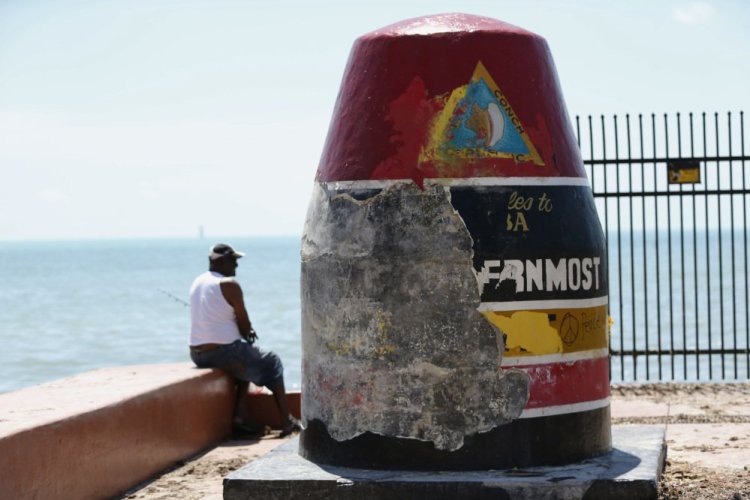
557, 384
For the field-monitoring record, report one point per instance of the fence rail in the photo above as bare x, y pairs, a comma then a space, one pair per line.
672, 194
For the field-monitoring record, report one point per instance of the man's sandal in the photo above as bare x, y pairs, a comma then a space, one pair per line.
247, 430
294, 427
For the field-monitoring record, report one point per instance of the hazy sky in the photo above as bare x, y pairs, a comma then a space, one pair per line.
149, 118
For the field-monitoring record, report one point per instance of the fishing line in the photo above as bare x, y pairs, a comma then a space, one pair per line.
174, 297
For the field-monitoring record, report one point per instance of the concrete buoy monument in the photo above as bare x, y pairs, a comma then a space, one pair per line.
454, 272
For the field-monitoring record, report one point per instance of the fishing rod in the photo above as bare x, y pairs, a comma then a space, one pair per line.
251, 337
174, 297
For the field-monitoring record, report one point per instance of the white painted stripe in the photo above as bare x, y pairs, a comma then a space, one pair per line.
533, 305
512, 181
368, 184
563, 409
568, 357
469, 181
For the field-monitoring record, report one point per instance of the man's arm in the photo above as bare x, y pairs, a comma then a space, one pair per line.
232, 292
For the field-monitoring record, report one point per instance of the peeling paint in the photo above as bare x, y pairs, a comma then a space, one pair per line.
393, 343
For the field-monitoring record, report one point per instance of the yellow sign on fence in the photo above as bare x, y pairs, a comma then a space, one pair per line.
684, 172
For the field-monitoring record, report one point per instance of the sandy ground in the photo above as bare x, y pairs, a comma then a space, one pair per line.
707, 432
201, 477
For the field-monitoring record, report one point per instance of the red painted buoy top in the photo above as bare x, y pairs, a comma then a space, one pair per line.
449, 96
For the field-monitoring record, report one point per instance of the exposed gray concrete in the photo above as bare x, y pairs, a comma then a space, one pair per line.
630, 472
393, 342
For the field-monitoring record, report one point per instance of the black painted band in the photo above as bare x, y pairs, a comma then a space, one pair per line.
551, 440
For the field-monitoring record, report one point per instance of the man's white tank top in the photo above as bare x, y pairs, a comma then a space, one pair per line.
212, 318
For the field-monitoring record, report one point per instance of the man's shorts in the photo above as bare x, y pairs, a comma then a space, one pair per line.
244, 361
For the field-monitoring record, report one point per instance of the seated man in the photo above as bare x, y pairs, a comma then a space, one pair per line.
221, 336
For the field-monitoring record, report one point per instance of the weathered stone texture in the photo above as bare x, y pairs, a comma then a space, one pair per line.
392, 339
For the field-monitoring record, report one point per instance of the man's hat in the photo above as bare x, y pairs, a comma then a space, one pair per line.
223, 250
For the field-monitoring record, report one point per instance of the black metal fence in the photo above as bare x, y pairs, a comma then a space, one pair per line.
672, 194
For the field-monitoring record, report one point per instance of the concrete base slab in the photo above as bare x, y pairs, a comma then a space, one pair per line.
632, 470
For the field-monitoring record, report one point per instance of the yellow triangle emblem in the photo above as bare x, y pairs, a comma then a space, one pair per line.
479, 122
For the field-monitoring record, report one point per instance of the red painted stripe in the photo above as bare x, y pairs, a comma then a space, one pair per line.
564, 383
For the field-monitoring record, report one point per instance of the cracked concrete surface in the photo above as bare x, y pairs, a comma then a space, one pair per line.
392, 339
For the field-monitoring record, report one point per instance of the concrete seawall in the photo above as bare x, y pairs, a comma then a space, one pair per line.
99, 433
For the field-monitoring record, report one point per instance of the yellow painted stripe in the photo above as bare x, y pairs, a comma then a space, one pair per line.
551, 331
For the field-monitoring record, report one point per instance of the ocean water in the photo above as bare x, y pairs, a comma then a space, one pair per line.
685, 292
72, 306
69, 307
